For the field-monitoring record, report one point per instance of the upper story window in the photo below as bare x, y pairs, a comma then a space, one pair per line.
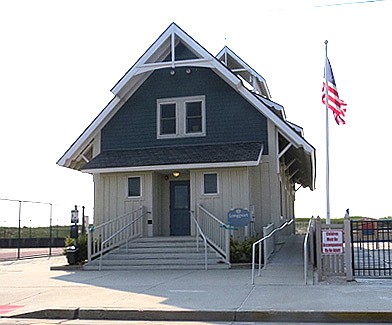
181, 117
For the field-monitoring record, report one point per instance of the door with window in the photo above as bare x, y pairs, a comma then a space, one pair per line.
180, 219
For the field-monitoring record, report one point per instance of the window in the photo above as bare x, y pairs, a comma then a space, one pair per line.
134, 187
181, 117
194, 117
168, 119
210, 184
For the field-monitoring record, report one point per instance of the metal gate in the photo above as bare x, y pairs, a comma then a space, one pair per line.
371, 247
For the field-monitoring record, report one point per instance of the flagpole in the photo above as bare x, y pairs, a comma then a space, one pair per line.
328, 217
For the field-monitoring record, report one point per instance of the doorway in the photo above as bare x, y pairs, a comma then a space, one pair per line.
180, 221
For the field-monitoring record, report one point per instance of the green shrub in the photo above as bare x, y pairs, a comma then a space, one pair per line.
241, 251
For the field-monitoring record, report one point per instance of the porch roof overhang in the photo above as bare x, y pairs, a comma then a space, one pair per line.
179, 157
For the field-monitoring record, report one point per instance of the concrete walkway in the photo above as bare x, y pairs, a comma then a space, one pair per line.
30, 289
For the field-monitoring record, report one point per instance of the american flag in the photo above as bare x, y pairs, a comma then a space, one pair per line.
337, 105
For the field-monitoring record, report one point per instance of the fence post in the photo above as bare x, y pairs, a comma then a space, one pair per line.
19, 228
311, 241
318, 248
348, 250
50, 229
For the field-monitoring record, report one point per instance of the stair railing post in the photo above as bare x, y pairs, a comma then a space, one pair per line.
227, 246
89, 244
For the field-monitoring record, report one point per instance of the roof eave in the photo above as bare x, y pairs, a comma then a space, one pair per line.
174, 166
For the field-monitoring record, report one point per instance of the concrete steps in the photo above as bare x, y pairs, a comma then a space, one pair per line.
159, 253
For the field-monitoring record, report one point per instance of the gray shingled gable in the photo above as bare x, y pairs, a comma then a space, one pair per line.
195, 154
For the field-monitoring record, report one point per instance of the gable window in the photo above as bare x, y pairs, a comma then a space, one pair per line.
181, 117
210, 183
134, 187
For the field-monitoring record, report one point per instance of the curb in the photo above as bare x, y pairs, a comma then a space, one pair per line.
66, 267
211, 315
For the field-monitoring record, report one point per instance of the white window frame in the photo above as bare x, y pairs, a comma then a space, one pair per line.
180, 103
217, 184
141, 187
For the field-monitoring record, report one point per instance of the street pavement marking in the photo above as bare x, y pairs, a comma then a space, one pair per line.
8, 308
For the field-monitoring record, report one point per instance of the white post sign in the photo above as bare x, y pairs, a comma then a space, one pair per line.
332, 241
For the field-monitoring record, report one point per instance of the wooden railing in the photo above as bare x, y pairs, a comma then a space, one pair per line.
216, 232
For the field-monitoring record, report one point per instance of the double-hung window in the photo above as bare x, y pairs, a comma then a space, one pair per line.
181, 117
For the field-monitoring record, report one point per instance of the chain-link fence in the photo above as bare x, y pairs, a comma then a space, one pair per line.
31, 228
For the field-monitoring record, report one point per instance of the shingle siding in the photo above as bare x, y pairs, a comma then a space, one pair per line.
229, 117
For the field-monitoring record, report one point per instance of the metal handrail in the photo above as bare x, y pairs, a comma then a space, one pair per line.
200, 232
211, 215
259, 243
116, 234
306, 250
117, 218
221, 248
99, 233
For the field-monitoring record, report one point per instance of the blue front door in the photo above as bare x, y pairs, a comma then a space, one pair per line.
180, 221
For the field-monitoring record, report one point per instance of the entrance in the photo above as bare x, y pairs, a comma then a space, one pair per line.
180, 222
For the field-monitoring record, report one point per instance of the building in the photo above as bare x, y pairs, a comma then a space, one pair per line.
190, 136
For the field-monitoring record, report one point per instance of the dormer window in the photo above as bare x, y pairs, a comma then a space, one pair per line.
181, 117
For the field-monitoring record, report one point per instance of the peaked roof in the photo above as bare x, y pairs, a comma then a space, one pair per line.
163, 53
243, 70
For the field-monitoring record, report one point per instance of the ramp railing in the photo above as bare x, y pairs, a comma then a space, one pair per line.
266, 247
308, 244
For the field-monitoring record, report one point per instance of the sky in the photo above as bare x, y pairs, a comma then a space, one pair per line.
59, 60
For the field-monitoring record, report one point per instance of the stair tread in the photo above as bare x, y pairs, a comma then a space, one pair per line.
159, 253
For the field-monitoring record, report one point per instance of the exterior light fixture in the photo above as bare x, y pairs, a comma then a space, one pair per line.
188, 71
176, 174
172, 72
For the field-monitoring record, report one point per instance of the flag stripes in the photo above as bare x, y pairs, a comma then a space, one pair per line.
331, 95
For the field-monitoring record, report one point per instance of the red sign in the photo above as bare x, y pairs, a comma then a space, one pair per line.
332, 241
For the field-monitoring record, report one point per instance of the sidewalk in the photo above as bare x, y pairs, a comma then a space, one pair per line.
29, 289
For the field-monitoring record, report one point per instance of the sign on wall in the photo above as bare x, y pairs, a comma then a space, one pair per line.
238, 217
332, 241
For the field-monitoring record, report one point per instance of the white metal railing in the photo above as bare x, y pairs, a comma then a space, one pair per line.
115, 232
199, 232
259, 243
306, 254
269, 243
215, 231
